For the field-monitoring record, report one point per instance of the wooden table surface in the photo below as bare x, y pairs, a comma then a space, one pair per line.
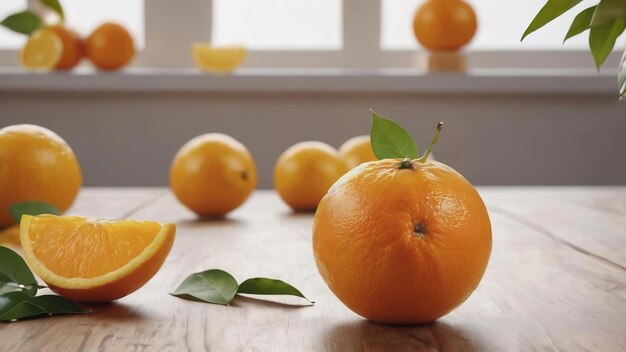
556, 281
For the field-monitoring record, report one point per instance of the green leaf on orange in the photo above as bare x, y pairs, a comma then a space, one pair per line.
24, 22
212, 286
265, 286
390, 141
32, 208
551, 10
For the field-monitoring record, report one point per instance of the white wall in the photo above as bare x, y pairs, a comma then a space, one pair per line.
129, 138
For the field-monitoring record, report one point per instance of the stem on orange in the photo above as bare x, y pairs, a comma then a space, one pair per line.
432, 144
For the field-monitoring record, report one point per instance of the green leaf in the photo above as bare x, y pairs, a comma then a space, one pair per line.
17, 305
609, 10
211, 286
55, 5
551, 10
264, 286
580, 23
390, 141
24, 22
15, 274
32, 208
621, 77
602, 39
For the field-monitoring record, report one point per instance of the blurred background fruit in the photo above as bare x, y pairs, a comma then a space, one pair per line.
43, 50
36, 165
305, 172
444, 24
357, 150
213, 174
110, 47
218, 60
72, 51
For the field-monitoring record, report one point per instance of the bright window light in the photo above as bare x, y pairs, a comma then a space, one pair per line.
278, 24
500, 26
83, 16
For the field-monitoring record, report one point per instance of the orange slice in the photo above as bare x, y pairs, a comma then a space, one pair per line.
217, 59
94, 261
43, 50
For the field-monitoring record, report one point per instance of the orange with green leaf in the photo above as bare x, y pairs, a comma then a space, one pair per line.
404, 239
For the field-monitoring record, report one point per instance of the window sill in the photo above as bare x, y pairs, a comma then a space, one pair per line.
314, 81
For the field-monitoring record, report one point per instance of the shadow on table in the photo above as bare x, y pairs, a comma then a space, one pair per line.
364, 335
114, 311
205, 220
270, 302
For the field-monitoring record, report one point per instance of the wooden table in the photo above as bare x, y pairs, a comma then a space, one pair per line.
556, 281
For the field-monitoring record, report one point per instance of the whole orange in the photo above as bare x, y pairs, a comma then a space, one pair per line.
72, 48
213, 174
402, 242
356, 151
110, 46
305, 171
444, 24
36, 165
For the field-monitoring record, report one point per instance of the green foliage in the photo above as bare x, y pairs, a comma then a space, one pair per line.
390, 141
24, 22
606, 22
18, 288
55, 6
32, 208
219, 287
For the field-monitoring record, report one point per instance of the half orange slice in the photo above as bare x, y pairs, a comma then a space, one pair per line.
94, 261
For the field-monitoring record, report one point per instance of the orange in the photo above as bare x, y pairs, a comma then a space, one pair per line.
213, 174
36, 165
444, 24
356, 151
110, 47
72, 51
43, 50
217, 59
402, 242
304, 172
94, 261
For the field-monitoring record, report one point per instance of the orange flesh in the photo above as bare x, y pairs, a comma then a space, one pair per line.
79, 248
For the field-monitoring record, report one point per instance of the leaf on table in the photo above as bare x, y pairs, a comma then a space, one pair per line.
264, 286
24, 22
551, 10
15, 274
580, 23
18, 305
602, 39
56, 6
609, 10
211, 286
621, 77
389, 140
32, 208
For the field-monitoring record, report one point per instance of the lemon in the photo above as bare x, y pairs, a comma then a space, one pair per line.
217, 59
42, 50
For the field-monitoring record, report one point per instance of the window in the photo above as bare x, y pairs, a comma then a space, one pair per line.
500, 26
317, 33
278, 24
83, 16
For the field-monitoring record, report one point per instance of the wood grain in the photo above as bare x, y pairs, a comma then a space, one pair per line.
538, 294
